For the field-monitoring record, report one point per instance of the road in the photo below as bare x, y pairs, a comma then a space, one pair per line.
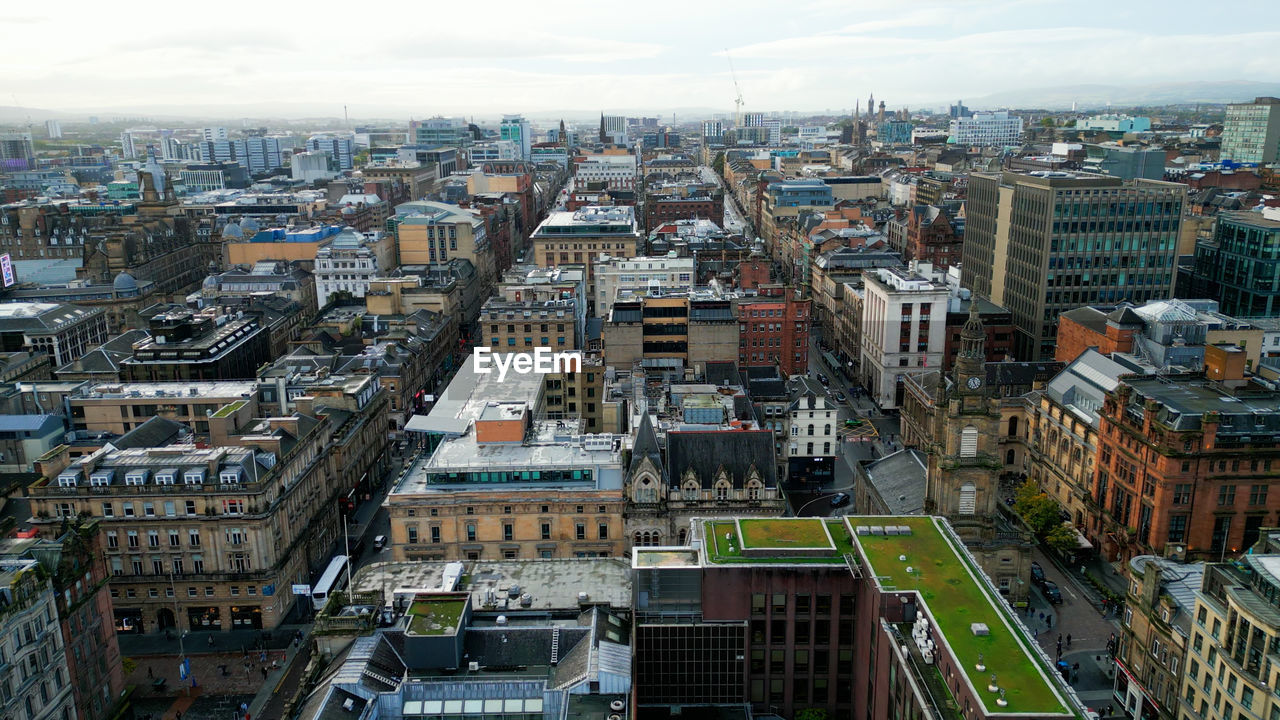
734, 221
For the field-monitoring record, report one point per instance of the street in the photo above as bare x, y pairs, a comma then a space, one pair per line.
733, 220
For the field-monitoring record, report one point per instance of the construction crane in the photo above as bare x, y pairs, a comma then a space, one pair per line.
737, 116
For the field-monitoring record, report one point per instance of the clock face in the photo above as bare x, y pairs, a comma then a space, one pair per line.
975, 383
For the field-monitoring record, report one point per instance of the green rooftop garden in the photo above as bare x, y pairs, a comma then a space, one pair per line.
956, 598
229, 408
436, 616
723, 544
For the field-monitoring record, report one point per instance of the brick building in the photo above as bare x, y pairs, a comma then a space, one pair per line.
1089, 327
667, 208
774, 331
1186, 461
933, 236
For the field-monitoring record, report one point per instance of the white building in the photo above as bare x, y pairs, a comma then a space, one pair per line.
615, 129
812, 424
495, 150
34, 675
214, 134
623, 278
311, 166
341, 147
54, 129
516, 129
994, 128
1115, 123
346, 264
128, 147
1251, 131
904, 318
617, 171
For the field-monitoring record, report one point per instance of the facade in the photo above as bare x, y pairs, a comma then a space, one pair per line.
933, 236
524, 324
516, 129
429, 232
1184, 462
812, 427
35, 674
496, 481
1251, 132
1115, 123
784, 201
221, 530
1236, 632
616, 172
184, 346
998, 129
1041, 244
774, 332
894, 132
671, 333
341, 149
280, 279
1089, 327
437, 131
903, 331
622, 278
65, 332
582, 236
1151, 652
347, 265
1239, 265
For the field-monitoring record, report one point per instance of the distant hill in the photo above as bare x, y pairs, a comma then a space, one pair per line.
1097, 96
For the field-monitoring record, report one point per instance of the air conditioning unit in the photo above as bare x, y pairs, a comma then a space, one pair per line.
473, 666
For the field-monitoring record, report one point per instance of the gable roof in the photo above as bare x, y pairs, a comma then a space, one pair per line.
646, 445
705, 453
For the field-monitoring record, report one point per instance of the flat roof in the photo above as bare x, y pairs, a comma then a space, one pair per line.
775, 541
435, 615
553, 583
955, 595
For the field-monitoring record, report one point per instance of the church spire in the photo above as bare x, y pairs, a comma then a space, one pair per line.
973, 337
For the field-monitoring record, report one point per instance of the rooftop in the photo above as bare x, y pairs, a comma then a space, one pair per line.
436, 615
1186, 399
553, 584
775, 541
195, 390
955, 595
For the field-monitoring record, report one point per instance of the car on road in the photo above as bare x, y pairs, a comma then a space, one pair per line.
379, 542
1037, 573
840, 499
840, 398
824, 379
1051, 592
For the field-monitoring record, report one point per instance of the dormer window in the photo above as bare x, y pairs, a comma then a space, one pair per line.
231, 475
68, 479
102, 478
135, 477
193, 477
166, 476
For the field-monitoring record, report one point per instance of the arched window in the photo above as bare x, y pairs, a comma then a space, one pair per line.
637, 539
1013, 426
826, 448
969, 441
683, 535
722, 490
646, 490
690, 489
810, 430
968, 499
753, 490
826, 429
1008, 457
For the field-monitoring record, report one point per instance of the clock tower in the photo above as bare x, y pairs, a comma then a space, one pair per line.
964, 464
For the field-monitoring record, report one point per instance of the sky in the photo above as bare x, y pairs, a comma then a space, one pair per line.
428, 57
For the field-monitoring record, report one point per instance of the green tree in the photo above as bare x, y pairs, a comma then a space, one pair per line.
1039, 511
1046, 122
1061, 538
812, 714
718, 164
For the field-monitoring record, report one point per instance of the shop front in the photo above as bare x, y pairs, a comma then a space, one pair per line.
204, 618
129, 620
246, 617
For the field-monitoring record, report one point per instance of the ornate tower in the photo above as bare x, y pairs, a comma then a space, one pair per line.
964, 463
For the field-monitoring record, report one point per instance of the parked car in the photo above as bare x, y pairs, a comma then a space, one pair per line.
840, 398
1037, 573
839, 500
1051, 592
824, 379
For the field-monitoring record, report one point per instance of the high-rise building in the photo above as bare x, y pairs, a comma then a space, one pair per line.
713, 132
987, 129
959, 110
516, 129
613, 129
54, 129
213, 134
1043, 243
437, 131
1239, 266
904, 322
1251, 132
259, 154
340, 147
34, 674
1115, 123
128, 145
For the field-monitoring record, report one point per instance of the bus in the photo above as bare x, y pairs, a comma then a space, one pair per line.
333, 579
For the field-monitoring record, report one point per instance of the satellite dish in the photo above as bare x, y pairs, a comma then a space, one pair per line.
902, 558
910, 569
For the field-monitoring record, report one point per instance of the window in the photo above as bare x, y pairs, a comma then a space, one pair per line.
508, 532
968, 499
602, 531
193, 538
1258, 495
580, 531
413, 535
113, 540
107, 510
191, 507
1182, 494
153, 538
175, 539
1227, 495
435, 535
969, 441
471, 532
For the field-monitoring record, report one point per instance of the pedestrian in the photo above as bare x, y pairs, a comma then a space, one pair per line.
150, 673
1059, 638
210, 641
262, 657
178, 715
264, 673
1068, 639
1041, 616
1109, 711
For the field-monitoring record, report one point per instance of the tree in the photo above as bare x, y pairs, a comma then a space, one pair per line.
1046, 122
718, 164
812, 714
1061, 538
1039, 511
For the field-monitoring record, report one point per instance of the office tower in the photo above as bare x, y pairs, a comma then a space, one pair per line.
995, 129
340, 147
128, 145
54, 129
213, 134
1251, 133
16, 151
516, 129
1239, 267
1043, 243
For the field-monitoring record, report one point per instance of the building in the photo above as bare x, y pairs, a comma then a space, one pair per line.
1183, 461
997, 322
811, 430
616, 172
784, 201
894, 132
582, 236
429, 232
670, 334
16, 151
184, 346
1115, 124
495, 480
440, 131
348, 263
1239, 265
903, 331
340, 147
119, 408
1090, 327
1126, 162
24, 438
1043, 243
516, 130
266, 278
1152, 649
203, 537
243, 243
65, 332
622, 278
1251, 132
36, 675
308, 167
526, 323
613, 129
998, 129
933, 235
785, 614
1235, 632
774, 332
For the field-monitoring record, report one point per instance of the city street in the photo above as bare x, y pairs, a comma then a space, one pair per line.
733, 219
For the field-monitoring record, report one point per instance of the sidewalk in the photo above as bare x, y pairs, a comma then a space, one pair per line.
230, 641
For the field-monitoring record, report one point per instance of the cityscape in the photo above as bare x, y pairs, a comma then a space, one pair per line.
842, 361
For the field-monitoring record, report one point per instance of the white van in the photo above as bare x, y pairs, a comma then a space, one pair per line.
379, 542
